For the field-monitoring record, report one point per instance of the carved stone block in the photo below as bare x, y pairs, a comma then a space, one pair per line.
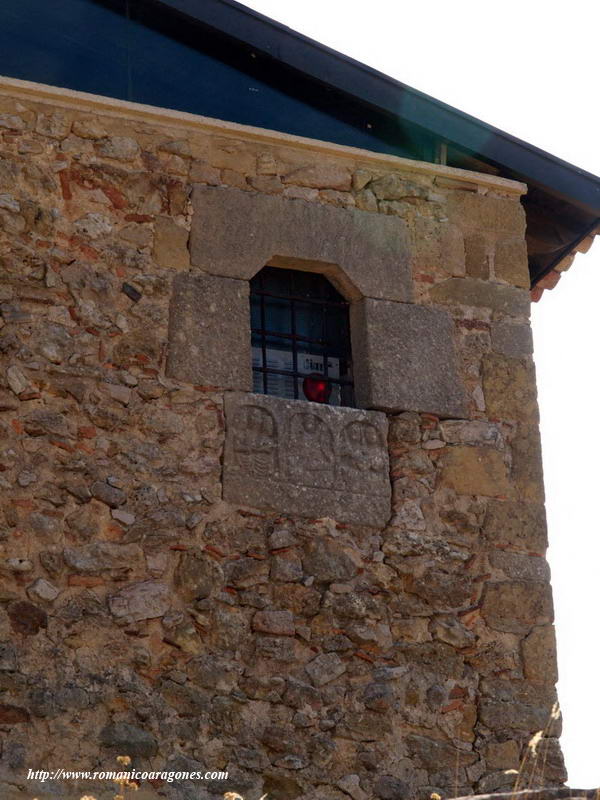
235, 233
404, 358
306, 459
209, 332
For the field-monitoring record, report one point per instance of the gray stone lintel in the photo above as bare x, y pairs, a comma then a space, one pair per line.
236, 233
306, 459
404, 359
209, 332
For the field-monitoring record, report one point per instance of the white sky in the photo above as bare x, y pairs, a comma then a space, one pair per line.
530, 68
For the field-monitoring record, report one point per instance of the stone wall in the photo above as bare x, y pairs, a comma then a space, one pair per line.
142, 613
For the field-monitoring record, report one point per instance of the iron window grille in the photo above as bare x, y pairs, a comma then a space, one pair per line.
300, 337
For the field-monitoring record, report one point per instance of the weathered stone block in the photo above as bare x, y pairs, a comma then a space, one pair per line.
366, 200
435, 755
517, 606
434, 658
473, 292
512, 339
405, 428
209, 332
56, 125
26, 618
516, 525
286, 567
452, 249
516, 704
128, 739
8, 658
539, 655
102, 557
510, 262
141, 601
201, 172
520, 566
110, 495
197, 575
307, 459
236, 233
477, 258
483, 212
453, 632
404, 358
438, 246
324, 668
276, 648
170, 244
327, 561
274, 621
121, 148
387, 787
502, 755
89, 128
321, 176
509, 388
443, 590
473, 431
475, 470
246, 572
527, 471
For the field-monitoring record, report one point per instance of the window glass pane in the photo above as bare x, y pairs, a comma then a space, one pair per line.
275, 281
278, 315
280, 385
255, 322
304, 285
309, 323
336, 333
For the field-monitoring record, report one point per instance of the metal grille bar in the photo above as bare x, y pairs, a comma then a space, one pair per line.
277, 300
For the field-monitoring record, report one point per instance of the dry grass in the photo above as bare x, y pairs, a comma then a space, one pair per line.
533, 763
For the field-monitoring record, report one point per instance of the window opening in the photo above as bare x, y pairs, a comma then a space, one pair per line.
300, 337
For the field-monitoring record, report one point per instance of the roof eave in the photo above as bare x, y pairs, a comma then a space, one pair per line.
325, 65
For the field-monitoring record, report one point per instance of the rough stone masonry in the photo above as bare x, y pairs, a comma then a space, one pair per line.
311, 645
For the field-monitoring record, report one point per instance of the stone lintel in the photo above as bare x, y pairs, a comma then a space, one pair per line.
306, 459
404, 359
236, 233
209, 332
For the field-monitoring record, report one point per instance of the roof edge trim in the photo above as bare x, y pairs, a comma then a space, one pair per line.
43, 93
368, 85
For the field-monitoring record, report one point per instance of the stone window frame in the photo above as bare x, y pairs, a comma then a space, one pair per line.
404, 356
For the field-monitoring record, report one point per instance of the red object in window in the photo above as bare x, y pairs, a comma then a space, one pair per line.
316, 388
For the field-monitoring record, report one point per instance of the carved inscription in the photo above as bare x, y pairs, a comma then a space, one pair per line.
306, 459
311, 455
363, 457
255, 441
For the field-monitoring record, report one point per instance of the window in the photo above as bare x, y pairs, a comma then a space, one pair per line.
300, 337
